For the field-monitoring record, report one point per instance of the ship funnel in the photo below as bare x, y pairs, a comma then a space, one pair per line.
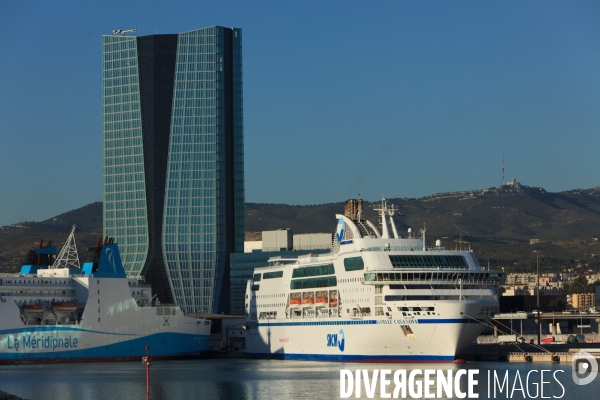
353, 209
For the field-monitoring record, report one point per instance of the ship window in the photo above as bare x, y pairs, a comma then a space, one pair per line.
271, 275
354, 264
395, 298
313, 283
256, 278
326, 269
427, 261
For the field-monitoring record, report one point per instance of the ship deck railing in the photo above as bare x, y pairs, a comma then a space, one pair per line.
407, 248
433, 282
40, 283
438, 277
464, 282
40, 294
18, 275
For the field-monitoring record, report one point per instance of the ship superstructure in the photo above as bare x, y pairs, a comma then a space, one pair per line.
376, 297
53, 311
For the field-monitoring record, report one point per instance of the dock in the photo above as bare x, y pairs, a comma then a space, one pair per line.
561, 353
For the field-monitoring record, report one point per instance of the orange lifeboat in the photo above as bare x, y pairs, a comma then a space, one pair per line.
321, 299
64, 306
294, 301
333, 303
32, 309
308, 301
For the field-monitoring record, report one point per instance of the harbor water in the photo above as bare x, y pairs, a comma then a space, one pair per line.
255, 379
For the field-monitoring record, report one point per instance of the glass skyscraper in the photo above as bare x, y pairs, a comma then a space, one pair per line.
173, 160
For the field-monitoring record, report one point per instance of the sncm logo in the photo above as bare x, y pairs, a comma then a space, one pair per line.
336, 340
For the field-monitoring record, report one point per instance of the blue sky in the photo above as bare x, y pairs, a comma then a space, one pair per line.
401, 98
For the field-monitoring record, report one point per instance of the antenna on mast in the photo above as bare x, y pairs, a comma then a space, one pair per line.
68, 255
502, 183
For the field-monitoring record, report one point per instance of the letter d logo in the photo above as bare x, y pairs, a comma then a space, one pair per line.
584, 362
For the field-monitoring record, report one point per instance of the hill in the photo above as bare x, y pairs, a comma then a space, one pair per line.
498, 223
17, 239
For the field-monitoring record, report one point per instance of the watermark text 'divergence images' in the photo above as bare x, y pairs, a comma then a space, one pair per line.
464, 383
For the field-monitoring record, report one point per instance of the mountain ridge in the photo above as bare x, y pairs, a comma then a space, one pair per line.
499, 223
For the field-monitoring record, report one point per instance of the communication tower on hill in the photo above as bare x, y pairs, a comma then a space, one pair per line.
502, 182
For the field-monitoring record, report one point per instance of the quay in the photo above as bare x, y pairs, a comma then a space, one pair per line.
560, 353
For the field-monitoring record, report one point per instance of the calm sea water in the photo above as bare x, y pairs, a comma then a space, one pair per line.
244, 379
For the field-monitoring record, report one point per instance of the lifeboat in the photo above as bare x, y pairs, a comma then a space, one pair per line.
321, 299
294, 301
333, 303
308, 301
64, 306
32, 309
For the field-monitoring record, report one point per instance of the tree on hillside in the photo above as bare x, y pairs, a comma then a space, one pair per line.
580, 285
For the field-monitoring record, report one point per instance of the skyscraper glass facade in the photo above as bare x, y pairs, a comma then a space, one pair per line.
123, 153
192, 133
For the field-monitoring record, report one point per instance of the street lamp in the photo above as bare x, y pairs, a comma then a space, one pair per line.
537, 289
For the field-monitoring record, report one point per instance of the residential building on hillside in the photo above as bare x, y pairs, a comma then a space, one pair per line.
531, 291
531, 279
173, 166
583, 301
592, 278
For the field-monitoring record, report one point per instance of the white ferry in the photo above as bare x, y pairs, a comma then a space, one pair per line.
54, 311
377, 297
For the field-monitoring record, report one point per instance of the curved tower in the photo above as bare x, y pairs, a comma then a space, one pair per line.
173, 160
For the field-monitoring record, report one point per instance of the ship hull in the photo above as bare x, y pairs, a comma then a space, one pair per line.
427, 338
36, 346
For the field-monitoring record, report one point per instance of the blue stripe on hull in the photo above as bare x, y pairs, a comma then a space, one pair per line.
162, 345
352, 357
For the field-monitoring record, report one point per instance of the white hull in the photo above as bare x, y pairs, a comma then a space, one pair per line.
433, 339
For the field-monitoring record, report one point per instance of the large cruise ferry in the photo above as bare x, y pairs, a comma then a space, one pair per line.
377, 297
54, 311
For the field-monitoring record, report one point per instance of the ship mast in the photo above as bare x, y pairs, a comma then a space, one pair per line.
67, 258
385, 211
